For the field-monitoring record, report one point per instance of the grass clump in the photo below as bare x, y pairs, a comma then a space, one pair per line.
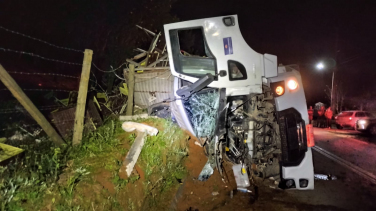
162, 159
26, 180
74, 178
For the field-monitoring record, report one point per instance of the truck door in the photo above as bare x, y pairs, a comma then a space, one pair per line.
211, 45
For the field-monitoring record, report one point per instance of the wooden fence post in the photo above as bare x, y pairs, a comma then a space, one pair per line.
81, 99
29, 106
129, 111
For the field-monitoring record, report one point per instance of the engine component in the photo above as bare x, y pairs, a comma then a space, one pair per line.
253, 134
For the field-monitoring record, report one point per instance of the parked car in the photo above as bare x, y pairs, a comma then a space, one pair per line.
350, 118
367, 125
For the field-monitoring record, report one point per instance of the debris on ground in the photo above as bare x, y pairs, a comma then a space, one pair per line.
241, 176
198, 144
272, 187
7, 151
132, 156
134, 117
325, 177
139, 127
206, 172
244, 190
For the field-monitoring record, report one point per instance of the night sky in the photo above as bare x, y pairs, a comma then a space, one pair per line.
298, 32
304, 33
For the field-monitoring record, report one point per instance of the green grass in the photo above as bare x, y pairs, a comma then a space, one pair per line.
31, 183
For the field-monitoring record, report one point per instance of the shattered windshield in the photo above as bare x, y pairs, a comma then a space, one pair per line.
202, 112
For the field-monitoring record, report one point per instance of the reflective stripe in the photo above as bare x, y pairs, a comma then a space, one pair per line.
310, 137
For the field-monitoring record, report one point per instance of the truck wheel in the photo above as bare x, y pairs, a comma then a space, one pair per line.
339, 126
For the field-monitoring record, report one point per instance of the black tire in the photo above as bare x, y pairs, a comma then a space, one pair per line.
339, 127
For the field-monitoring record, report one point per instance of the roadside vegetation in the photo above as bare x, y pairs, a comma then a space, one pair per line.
87, 177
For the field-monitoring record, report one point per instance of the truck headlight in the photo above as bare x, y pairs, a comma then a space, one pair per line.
292, 84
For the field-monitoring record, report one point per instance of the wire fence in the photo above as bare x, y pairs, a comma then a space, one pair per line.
49, 74
19, 109
38, 56
44, 74
52, 59
44, 90
37, 125
39, 40
23, 110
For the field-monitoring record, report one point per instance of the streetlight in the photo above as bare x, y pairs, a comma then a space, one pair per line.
321, 66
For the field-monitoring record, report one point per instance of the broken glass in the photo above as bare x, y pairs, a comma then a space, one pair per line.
202, 111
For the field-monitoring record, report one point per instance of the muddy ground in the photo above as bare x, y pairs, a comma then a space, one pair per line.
348, 192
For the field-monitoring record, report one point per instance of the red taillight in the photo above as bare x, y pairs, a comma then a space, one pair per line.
310, 138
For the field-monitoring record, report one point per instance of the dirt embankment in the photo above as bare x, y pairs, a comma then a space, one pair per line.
215, 194
208, 195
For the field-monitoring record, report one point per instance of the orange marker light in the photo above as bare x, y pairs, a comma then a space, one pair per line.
292, 84
310, 137
279, 90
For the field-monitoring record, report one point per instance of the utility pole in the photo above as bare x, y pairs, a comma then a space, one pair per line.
333, 101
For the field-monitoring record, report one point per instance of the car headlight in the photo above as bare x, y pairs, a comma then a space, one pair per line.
362, 122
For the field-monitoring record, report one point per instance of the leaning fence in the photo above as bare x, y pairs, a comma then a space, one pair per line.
150, 82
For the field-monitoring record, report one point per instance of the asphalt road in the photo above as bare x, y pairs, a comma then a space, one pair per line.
357, 149
350, 191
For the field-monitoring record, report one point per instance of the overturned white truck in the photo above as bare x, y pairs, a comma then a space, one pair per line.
240, 105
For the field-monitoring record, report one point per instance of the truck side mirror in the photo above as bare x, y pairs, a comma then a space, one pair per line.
222, 73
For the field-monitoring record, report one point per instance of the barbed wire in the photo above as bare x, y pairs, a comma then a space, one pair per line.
44, 90
41, 57
39, 107
49, 74
23, 110
97, 84
31, 125
48, 107
56, 74
109, 71
123, 79
18, 126
39, 40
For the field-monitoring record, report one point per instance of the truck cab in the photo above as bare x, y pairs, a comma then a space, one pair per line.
239, 103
